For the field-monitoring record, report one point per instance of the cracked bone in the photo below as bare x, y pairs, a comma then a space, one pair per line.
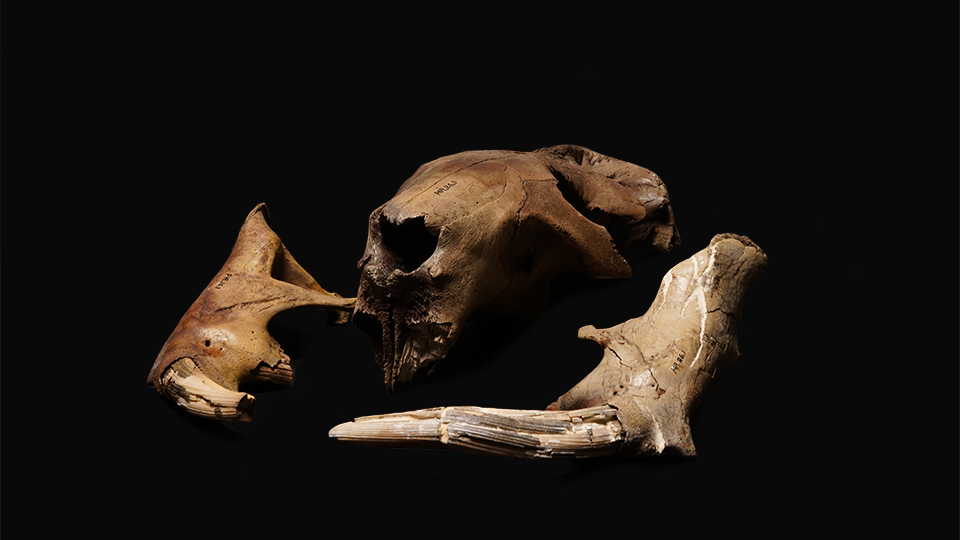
637, 402
484, 232
222, 341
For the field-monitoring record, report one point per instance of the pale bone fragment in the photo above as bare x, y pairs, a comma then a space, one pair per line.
222, 341
484, 233
589, 432
637, 402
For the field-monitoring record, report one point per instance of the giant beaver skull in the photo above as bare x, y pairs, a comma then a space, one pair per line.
486, 231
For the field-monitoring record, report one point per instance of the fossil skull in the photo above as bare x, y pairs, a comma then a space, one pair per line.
222, 340
637, 402
485, 232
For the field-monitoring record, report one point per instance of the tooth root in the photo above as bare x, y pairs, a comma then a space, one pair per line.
590, 432
191, 389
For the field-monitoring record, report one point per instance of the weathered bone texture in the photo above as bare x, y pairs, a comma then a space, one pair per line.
222, 340
484, 233
637, 402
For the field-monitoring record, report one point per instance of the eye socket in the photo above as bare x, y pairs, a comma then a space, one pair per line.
410, 243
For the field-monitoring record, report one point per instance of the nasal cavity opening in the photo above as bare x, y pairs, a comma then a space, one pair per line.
410, 243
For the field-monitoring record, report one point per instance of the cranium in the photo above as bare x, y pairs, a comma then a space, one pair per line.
485, 232
222, 341
637, 402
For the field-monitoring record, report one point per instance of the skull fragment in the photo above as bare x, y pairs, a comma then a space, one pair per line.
222, 341
485, 232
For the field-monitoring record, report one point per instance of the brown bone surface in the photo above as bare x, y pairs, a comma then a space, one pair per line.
222, 341
485, 232
637, 402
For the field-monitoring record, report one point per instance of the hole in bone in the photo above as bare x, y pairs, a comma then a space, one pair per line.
281, 270
410, 243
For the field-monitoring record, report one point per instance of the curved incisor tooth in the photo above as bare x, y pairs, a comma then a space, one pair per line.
191, 389
590, 432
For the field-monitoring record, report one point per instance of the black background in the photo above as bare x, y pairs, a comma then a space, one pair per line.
164, 132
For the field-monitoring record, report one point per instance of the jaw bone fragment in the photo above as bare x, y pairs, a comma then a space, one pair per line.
485, 232
222, 340
637, 402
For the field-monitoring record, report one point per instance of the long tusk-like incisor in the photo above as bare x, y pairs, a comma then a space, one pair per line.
588, 432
